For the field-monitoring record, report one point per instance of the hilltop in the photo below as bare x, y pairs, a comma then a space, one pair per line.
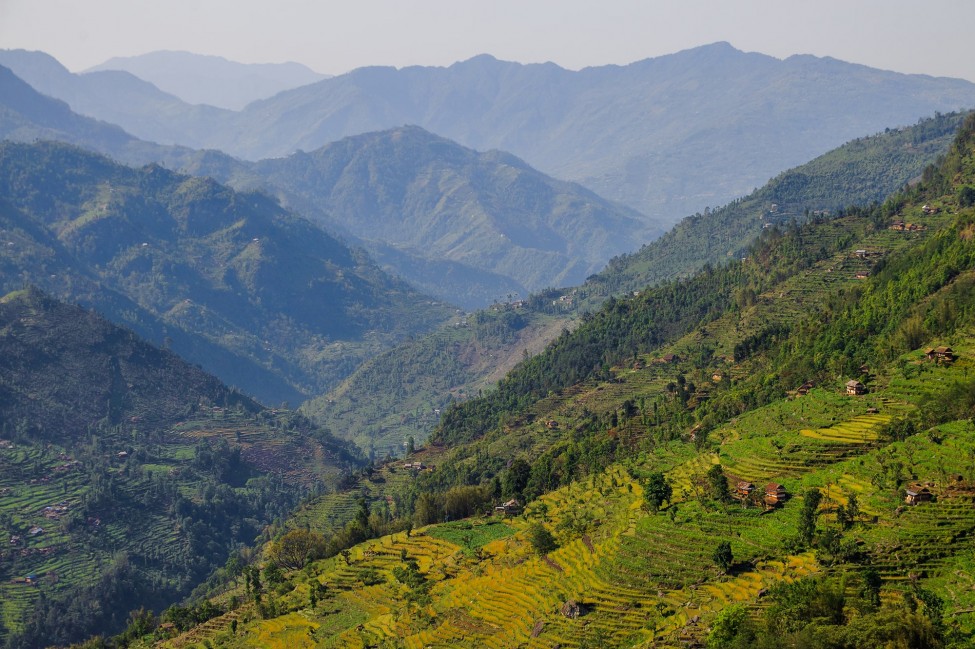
128, 475
258, 296
829, 370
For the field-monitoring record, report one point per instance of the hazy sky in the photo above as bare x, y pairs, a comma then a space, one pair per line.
925, 36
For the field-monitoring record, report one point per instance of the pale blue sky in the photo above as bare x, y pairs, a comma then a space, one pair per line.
918, 36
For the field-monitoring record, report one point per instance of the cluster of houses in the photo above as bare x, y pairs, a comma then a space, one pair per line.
901, 226
54, 511
775, 493
417, 466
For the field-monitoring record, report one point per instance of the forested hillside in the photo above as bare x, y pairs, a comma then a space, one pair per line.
229, 280
127, 475
486, 224
396, 395
774, 452
860, 172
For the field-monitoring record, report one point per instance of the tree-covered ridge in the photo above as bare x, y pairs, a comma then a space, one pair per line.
861, 172
629, 327
826, 332
65, 369
230, 280
408, 194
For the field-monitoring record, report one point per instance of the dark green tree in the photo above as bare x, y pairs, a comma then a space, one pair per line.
541, 539
718, 484
807, 518
966, 196
852, 510
657, 491
723, 557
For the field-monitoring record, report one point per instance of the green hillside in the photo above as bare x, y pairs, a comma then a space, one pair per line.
254, 294
395, 396
127, 475
631, 441
860, 172
407, 194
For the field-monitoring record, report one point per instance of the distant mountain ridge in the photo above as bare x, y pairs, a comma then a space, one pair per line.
666, 136
212, 80
117, 97
27, 115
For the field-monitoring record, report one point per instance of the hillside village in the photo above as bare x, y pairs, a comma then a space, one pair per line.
707, 489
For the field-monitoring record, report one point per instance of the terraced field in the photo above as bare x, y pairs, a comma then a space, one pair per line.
650, 579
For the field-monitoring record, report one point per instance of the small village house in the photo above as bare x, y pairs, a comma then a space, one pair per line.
510, 508
916, 494
854, 387
775, 494
572, 609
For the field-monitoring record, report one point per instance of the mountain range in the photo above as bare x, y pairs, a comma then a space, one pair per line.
230, 280
797, 338
465, 226
667, 136
408, 193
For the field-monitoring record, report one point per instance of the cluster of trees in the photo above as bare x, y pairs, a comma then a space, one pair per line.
836, 613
